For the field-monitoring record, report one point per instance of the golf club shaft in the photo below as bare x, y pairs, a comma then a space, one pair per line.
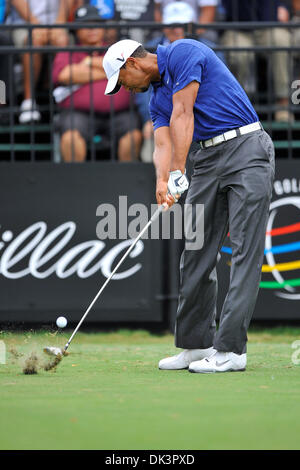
160, 209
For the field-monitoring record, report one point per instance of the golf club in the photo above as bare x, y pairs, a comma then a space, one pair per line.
55, 351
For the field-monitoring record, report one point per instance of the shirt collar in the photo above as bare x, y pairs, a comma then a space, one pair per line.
161, 59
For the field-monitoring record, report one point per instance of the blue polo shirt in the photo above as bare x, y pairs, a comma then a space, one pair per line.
221, 102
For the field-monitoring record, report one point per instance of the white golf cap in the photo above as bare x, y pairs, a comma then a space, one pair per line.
114, 59
178, 12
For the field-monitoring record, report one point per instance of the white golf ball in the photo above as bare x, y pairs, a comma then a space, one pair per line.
61, 322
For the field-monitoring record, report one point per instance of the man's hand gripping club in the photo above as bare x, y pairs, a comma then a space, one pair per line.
177, 184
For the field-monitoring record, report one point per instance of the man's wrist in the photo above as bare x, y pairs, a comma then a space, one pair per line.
177, 164
182, 169
162, 172
162, 179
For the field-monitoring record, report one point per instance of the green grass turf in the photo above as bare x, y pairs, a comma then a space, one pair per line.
109, 394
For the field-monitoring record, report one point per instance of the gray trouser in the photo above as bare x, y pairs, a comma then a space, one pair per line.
234, 181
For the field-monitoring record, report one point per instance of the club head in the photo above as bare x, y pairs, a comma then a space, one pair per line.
52, 351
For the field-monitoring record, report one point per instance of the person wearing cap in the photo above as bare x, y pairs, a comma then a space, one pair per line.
198, 108
85, 109
200, 11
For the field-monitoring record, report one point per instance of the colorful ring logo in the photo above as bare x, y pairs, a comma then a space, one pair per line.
277, 268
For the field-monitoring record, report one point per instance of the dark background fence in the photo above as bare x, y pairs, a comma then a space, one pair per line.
41, 141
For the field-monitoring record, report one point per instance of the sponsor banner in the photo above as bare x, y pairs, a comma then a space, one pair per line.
51, 261
279, 295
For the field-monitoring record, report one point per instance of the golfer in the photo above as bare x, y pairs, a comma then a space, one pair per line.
198, 108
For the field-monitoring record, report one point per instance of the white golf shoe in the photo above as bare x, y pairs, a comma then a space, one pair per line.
220, 362
183, 359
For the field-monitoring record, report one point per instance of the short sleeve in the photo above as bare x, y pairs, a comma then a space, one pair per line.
186, 63
158, 120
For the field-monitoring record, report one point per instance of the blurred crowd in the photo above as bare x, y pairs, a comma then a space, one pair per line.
78, 78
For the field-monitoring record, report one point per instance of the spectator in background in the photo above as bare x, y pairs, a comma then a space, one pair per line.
87, 110
296, 8
242, 63
296, 31
36, 12
204, 11
135, 11
174, 12
2, 11
123, 11
296, 12
106, 9
4, 66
